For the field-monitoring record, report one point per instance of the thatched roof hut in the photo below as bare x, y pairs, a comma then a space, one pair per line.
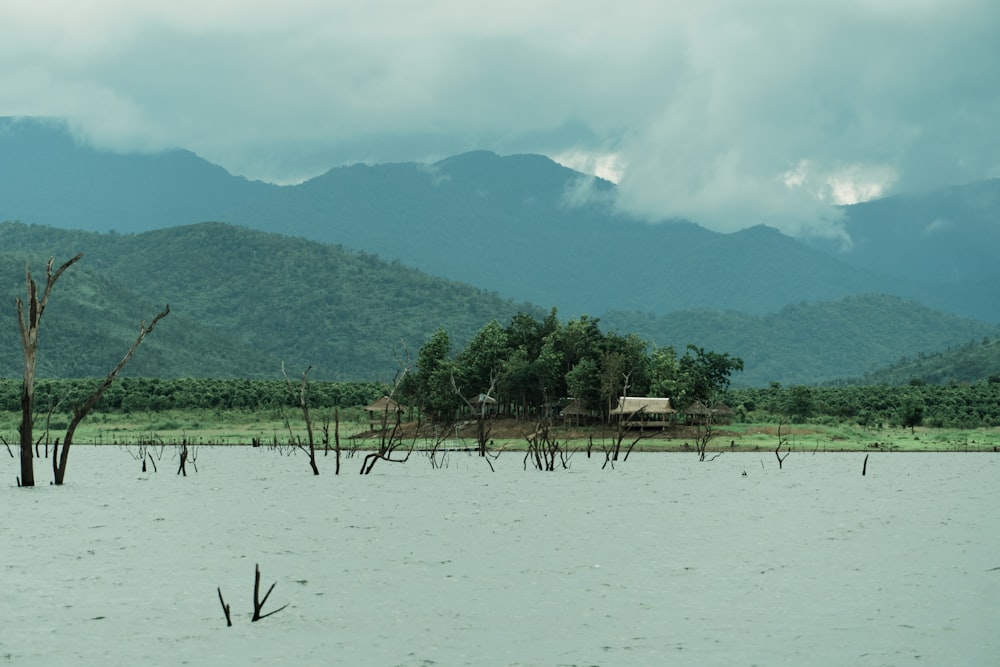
630, 405
382, 409
697, 413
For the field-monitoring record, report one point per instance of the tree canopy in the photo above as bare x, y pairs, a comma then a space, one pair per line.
533, 366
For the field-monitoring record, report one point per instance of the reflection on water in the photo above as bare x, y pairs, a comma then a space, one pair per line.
662, 559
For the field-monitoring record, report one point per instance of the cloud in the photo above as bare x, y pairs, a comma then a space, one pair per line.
727, 113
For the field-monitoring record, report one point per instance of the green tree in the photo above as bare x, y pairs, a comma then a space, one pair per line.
704, 375
429, 386
911, 413
483, 360
799, 403
664, 378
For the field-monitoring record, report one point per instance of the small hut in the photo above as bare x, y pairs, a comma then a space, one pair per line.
645, 410
697, 413
722, 414
485, 405
383, 411
576, 413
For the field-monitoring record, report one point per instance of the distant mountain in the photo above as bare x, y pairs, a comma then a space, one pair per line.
947, 237
521, 226
48, 178
243, 301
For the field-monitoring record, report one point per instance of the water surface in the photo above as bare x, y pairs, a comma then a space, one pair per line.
661, 560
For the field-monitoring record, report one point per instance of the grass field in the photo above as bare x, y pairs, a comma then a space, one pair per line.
208, 427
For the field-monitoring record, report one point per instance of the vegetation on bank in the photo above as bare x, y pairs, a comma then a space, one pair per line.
912, 416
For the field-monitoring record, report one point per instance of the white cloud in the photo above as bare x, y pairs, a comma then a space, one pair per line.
936, 226
608, 166
727, 113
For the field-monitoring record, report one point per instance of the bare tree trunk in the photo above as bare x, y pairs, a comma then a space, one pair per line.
79, 413
304, 404
336, 439
782, 442
28, 324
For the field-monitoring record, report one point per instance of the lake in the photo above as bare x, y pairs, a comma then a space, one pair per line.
662, 560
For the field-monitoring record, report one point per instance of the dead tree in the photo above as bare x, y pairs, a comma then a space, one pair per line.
544, 449
28, 323
304, 405
336, 438
624, 429
782, 442
483, 400
705, 434
258, 604
81, 411
225, 609
390, 440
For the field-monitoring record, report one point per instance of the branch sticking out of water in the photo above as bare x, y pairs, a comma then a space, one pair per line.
257, 606
225, 609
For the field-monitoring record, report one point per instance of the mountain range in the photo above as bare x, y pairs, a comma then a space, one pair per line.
519, 232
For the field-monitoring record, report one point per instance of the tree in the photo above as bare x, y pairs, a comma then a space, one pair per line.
81, 411
703, 375
303, 401
481, 363
28, 323
430, 386
664, 373
799, 404
912, 413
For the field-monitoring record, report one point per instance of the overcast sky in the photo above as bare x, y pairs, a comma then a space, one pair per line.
727, 113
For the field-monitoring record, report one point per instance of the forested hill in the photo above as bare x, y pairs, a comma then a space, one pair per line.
812, 343
244, 301
963, 364
241, 303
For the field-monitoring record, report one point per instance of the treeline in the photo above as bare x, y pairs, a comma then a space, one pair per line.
154, 394
915, 404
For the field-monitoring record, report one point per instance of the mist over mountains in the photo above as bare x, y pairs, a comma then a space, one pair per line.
523, 229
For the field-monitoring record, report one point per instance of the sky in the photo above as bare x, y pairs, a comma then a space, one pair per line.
727, 113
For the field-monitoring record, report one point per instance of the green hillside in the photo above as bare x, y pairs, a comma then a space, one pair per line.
811, 343
963, 364
241, 303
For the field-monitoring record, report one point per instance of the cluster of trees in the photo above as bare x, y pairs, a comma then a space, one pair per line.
532, 366
914, 404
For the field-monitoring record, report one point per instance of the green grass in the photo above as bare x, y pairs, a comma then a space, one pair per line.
240, 427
